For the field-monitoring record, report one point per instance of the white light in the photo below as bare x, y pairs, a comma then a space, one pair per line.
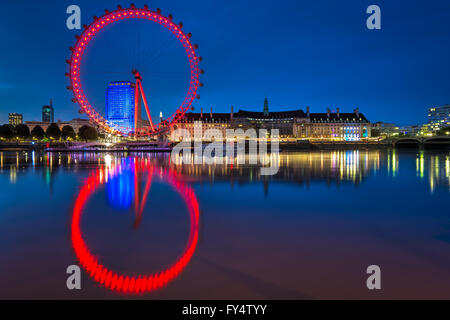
108, 159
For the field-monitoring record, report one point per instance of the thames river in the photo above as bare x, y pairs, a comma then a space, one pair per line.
143, 226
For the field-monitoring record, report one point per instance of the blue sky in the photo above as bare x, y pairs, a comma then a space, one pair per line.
297, 53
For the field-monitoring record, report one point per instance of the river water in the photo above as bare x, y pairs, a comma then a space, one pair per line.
143, 226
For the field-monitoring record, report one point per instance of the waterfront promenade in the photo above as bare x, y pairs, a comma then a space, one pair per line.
291, 145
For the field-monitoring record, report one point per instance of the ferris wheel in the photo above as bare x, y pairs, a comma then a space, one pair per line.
129, 283
93, 31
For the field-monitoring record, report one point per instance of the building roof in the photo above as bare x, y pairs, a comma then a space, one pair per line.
272, 115
216, 117
242, 114
333, 118
120, 83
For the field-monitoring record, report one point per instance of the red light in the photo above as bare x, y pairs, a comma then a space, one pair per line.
193, 61
109, 278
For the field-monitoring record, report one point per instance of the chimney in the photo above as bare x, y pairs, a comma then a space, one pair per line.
328, 112
211, 114
201, 113
338, 112
357, 112
232, 113
307, 112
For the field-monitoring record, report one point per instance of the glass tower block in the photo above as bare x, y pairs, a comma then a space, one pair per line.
120, 105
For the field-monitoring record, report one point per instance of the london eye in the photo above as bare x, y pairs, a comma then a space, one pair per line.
136, 127
106, 276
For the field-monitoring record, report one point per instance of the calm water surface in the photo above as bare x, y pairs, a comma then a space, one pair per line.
224, 231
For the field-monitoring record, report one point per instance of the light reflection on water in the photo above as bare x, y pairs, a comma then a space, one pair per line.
325, 215
345, 166
125, 177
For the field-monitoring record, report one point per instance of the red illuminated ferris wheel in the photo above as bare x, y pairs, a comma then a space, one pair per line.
93, 30
129, 283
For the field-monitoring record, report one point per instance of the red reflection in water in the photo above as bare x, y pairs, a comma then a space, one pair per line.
138, 204
120, 282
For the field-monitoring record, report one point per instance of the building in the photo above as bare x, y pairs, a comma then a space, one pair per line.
120, 105
48, 113
283, 121
410, 131
219, 121
439, 117
294, 124
425, 131
76, 124
15, 119
266, 107
333, 126
383, 129
32, 124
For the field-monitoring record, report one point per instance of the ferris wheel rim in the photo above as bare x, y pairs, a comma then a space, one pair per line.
121, 282
110, 17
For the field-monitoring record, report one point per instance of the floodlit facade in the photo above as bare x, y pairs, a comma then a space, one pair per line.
295, 124
120, 105
439, 117
333, 126
197, 123
15, 119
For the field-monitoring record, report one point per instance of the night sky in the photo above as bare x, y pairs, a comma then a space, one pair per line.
297, 53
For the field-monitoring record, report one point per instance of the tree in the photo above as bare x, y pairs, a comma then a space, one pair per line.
444, 132
53, 131
375, 133
7, 131
404, 135
22, 131
88, 133
67, 132
38, 133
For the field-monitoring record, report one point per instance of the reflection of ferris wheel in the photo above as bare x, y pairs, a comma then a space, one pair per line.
123, 283
89, 34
